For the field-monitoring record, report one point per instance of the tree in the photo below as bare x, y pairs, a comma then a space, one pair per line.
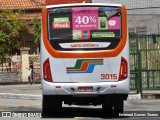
37, 29
12, 29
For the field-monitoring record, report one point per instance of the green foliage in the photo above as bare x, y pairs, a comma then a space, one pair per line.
12, 29
37, 29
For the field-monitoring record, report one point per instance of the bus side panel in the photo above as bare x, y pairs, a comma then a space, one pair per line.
47, 87
125, 83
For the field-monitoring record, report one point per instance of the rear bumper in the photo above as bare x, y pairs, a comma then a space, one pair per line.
99, 88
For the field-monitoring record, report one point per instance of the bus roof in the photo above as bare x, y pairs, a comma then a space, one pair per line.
78, 4
54, 2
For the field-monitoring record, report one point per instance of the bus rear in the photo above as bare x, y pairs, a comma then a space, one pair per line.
84, 56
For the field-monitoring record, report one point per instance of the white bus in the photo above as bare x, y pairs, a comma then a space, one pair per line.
84, 56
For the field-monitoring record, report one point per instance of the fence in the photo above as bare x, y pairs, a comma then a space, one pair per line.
10, 69
144, 62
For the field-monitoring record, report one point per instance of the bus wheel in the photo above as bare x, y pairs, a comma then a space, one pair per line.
107, 107
51, 105
118, 108
107, 110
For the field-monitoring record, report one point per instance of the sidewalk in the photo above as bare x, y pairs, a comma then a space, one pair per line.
26, 91
22, 91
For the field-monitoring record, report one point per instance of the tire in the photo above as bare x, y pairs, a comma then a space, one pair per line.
107, 110
107, 106
113, 105
51, 104
118, 108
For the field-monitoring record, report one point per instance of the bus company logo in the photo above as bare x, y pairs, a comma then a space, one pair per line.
84, 66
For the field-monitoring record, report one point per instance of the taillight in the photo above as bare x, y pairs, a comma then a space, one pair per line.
47, 71
123, 73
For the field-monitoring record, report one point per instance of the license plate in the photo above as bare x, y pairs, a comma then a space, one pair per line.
85, 89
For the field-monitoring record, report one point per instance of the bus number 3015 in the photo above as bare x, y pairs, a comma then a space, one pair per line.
108, 76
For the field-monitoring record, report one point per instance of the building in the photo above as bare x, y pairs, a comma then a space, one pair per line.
32, 10
143, 15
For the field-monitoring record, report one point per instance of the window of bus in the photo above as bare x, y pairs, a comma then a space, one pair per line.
84, 24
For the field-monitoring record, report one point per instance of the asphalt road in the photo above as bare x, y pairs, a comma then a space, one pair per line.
135, 109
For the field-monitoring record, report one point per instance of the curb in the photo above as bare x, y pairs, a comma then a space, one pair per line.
134, 97
21, 96
39, 97
17, 83
150, 96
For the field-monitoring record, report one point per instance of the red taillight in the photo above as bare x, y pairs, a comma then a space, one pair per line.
123, 73
47, 71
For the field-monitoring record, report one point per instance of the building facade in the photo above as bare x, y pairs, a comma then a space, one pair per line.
32, 9
143, 15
